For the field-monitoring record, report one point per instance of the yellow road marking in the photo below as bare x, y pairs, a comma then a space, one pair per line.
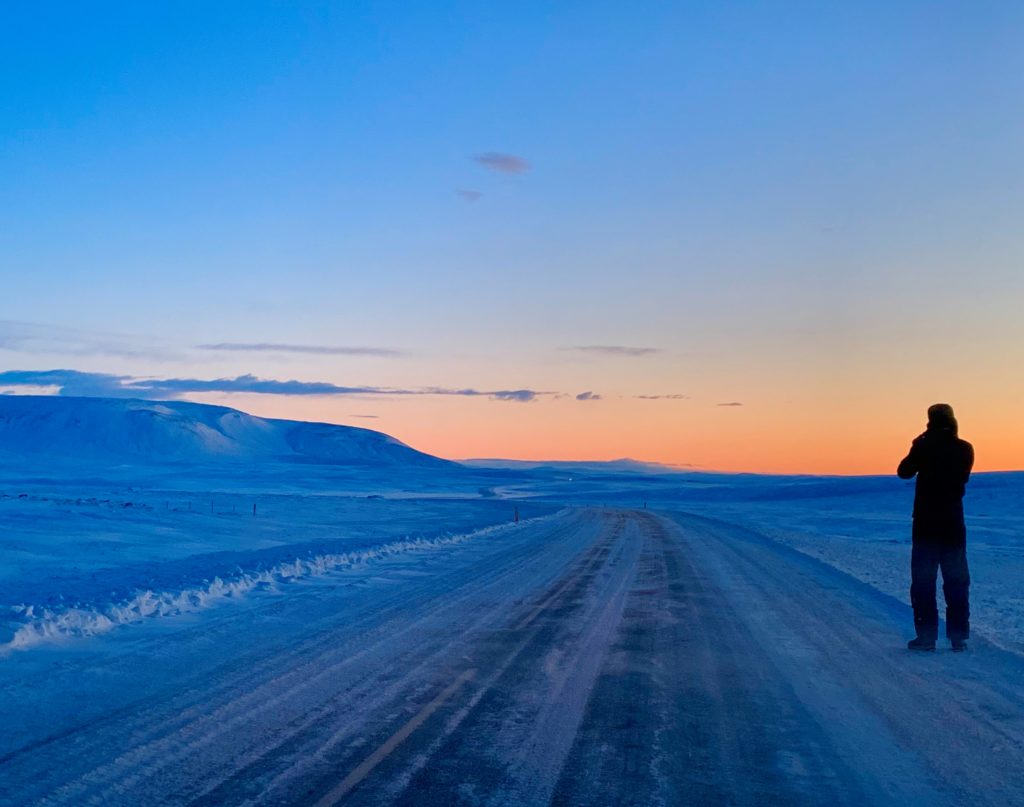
395, 740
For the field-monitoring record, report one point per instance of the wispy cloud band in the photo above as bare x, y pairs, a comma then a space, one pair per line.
74, 382
315, 350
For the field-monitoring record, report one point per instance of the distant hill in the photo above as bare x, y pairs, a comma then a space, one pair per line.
127, 430
621, 466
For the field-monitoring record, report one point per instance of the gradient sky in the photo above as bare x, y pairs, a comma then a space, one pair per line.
812, 210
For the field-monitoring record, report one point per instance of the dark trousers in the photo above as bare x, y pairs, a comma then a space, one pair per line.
925, 561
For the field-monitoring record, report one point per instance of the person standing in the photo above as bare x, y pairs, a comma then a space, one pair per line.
942, 463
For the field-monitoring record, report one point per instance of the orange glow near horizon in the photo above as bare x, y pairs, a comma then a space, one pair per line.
754, 438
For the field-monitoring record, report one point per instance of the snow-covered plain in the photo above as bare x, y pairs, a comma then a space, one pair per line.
78, 559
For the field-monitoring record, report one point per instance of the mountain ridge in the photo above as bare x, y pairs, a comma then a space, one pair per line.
126, 429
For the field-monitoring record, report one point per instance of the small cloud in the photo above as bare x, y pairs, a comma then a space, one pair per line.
672, 397
316, 350
588, 396
730, 403
469, 195
616, 350
367, 417
520, 395
505, 163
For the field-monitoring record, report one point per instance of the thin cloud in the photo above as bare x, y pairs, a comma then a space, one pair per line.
35, 338
731, 403
316, 350
588, 396
367, 417
505, 163
672, 397
616, 350
469, 195
245, 383
518, 395
74, 382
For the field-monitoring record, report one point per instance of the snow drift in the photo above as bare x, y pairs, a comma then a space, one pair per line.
35, 625
126, 430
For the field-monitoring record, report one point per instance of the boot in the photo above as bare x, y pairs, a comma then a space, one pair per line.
921, 643
959, 645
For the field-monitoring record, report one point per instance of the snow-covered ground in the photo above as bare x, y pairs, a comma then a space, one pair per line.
78, 559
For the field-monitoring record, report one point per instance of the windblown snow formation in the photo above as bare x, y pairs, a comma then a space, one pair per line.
109, 429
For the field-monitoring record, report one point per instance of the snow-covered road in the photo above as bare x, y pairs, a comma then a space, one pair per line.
595, 657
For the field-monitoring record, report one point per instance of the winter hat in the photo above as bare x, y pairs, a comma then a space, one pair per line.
940, 416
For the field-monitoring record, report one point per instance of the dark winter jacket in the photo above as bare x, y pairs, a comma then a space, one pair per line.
942, 463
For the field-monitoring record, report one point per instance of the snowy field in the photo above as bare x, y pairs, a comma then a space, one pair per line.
82, 555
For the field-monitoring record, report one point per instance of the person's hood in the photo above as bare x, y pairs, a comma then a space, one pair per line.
941, 419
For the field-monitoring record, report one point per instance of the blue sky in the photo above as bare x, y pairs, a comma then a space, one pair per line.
780, 200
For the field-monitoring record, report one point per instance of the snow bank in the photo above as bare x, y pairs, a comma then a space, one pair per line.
46, 625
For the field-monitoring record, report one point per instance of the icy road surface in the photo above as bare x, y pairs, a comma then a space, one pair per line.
596, 657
